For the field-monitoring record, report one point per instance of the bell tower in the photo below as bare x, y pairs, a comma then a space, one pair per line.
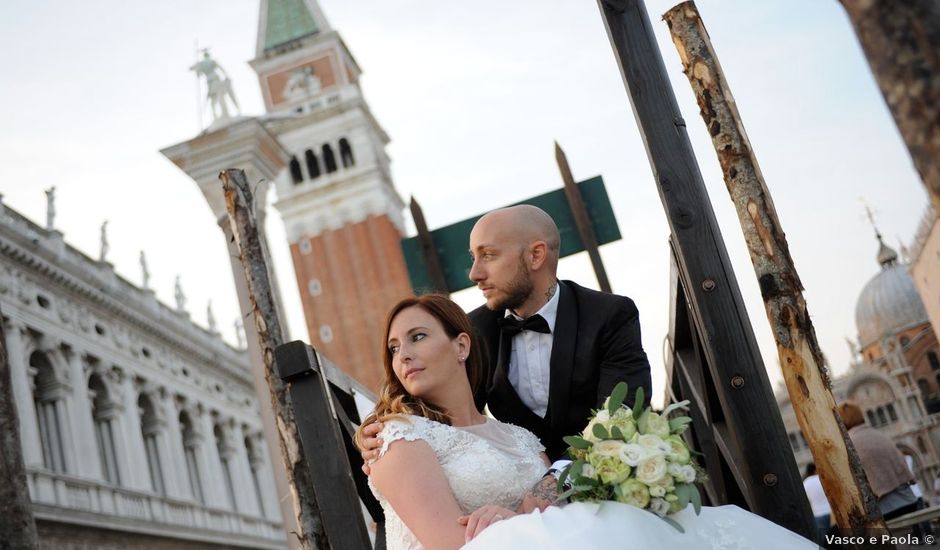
341, 211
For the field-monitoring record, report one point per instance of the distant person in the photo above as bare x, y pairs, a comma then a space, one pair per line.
817, 498
884, 465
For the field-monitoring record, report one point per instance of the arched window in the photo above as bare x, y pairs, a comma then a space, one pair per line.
225, 455
49, 397
190, 445
933, 360
345, 153
882, 419
295, 174
891, 413
150, 426
254, 462
871, 418
103, 413
313, 166
924, 386
329, 161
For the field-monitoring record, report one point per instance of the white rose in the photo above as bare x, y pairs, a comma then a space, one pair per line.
631, 454
609, 448
602, 415
589, 471
651, 469
654, 443
683, 473
659, 506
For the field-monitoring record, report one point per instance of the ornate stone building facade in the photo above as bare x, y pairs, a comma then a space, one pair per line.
138, 427
894, 372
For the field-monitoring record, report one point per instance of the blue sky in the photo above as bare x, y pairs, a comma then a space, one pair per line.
473, 95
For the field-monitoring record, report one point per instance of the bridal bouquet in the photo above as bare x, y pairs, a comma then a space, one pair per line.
635, 456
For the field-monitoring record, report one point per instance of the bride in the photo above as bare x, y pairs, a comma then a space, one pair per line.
448, 476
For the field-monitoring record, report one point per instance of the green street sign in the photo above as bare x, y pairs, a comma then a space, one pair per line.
452, 242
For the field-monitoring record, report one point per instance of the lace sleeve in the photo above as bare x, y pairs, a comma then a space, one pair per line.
527, 440
408, 428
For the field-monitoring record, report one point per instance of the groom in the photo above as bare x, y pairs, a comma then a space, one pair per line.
552, 350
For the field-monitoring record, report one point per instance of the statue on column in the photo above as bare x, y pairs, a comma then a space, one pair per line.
103, 256
180, 297
144, 272
218, 86
213, 328
50, 208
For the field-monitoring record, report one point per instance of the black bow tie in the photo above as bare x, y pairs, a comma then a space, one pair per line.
512, 326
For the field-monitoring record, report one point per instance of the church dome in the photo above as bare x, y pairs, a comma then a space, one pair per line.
889, 303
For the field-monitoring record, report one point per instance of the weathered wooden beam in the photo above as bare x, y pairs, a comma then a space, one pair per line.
581, 219
239, 202
772, 484
321, 424
17, 526
801, 359
901, 39
428, 250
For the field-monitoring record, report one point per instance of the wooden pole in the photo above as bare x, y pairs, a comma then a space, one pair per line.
581, 219
428, 250
766, 469
901, 39
17, 527
245, 231
853, 504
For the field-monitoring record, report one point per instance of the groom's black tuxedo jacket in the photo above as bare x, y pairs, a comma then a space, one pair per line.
595, 345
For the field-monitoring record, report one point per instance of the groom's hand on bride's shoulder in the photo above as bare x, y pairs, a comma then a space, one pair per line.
541, 496
370, 445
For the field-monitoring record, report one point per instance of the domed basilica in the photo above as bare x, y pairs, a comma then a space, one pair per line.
895, 370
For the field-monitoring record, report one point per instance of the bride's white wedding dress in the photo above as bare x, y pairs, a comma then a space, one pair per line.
496, 463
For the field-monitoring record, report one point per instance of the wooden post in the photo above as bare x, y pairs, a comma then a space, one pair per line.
17, 527
853, 504
581, 219
901, 39
328, 446
241, 213
751, 418
428, 250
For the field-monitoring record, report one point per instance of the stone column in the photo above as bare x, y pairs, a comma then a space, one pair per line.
241, 473
139, 475
175, 471
262, 463
214, 483
23, 394
80, 422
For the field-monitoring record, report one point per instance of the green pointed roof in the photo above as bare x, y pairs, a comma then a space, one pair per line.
287, 20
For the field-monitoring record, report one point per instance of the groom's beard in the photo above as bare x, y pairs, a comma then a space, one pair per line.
518, 290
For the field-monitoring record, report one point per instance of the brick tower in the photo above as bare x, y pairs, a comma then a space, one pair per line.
341, 211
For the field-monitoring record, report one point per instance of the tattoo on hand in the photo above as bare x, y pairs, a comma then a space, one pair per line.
546, 489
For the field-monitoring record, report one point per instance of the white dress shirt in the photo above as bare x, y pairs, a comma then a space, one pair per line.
530, 358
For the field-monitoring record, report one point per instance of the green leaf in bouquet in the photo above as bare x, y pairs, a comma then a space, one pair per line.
673, 523
562, 478
567, 494
577, 442
583, 481
576, 468
615, 401
639, 398
684, 492
696, 499
615, 433
600, 431
678, 424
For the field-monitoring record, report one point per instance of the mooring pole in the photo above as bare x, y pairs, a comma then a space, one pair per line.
801, 359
